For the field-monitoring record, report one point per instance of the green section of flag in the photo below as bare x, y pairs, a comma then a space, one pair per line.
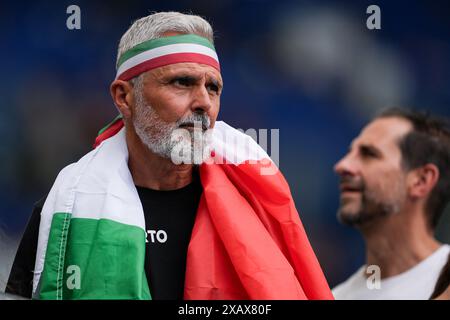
109, 124
52, 276
103, 259
155, 43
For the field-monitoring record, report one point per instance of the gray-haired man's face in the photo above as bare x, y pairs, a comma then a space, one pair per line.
178, 96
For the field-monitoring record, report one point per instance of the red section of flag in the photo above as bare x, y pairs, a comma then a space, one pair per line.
110, 131
248, 241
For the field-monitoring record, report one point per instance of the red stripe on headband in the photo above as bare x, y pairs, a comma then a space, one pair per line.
166, 60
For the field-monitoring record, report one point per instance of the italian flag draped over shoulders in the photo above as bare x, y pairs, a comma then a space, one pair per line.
247, 241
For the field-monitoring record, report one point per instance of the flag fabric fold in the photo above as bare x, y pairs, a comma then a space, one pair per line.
247, 242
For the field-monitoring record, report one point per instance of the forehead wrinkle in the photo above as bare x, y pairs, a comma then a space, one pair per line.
192, 68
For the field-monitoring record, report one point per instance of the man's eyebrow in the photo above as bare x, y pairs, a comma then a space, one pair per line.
192, 78
365, 148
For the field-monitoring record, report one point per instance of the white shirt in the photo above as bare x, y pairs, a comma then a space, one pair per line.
416, 283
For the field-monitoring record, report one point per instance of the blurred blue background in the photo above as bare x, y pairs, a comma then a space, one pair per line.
308, 68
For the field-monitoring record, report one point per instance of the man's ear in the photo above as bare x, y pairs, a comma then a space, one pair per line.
423, 180
122, 95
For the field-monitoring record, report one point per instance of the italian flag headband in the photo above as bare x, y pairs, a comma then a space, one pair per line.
164, 51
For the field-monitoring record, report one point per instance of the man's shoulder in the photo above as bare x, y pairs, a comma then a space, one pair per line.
442, 255
62, 174
72, 167
342, 290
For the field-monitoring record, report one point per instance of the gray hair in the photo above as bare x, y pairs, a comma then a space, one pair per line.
156, 24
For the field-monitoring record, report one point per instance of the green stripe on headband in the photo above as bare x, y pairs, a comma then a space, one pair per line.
155, 43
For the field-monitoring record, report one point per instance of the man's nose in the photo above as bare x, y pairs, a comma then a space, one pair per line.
201, 100
345, 166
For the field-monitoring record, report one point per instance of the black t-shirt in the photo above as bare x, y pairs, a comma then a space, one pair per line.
20, 280
169, 219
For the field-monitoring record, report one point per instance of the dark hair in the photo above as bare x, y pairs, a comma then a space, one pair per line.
427, 142
443, 281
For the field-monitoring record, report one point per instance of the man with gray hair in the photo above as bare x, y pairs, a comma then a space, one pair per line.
164, 207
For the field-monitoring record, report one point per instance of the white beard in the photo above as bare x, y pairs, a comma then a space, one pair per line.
167, 139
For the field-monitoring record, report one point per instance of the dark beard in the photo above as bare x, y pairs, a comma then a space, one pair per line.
369, 211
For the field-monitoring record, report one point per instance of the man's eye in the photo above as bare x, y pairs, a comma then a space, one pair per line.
213, 87
368, 153
183, 82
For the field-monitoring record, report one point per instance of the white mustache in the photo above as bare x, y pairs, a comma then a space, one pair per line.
204, 120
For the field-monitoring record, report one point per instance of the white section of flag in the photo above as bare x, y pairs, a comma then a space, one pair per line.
165, 50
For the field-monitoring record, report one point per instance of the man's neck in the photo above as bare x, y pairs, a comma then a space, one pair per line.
152, 171
398, 243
